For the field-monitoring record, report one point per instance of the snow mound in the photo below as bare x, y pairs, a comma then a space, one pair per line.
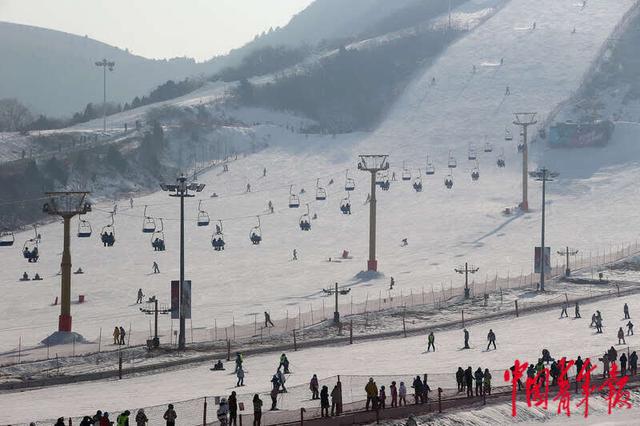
64, 338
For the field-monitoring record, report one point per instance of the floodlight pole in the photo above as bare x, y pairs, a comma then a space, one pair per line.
181, 190
567, 252
466, 271
105, 64
524, 120
543, 175
373, 164
66, 205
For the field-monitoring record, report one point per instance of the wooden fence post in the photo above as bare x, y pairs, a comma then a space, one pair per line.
517, 315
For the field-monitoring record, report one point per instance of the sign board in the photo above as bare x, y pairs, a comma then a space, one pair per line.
186, 299
547, 260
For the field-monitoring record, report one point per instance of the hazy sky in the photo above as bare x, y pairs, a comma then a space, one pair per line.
158, 28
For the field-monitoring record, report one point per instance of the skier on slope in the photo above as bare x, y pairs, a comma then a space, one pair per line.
626, 311
140, 296
466, 339
491, 337
629, 328
621, 336
564, 313
577, 311
431, 341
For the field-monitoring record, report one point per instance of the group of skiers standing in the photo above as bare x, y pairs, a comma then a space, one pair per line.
102, 419
118, 335
465, 379
323, 395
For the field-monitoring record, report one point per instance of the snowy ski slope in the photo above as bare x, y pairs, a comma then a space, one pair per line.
542, 67
521, 338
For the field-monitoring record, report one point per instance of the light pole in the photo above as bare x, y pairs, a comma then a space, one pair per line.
66, 205
567, 252
524, 120
543, 175
105, 64
154, 310
466, 271
181, 189
373, 164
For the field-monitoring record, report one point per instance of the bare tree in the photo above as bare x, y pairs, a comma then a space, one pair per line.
13, 115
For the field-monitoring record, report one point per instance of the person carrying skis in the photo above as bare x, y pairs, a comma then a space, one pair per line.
564, 313
431, 342
491, 337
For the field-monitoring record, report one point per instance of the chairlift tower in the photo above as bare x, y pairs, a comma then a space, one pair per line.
66, 205
524, 120
543, 175
466, 270
181, 189
373, 164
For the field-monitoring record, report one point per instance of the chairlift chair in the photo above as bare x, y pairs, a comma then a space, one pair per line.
108, 234
7, 238
452, 164
473, 155
429, 169
520, 147
217, 240
305, 221
345, 205
349, 183
406, 173
30, 250
294, 201
501, 162
417, 183
203, 216
508, 136
475, 173
488, 147
448, 181
84, 228
255, 235
321, 193
157, 238
148, 223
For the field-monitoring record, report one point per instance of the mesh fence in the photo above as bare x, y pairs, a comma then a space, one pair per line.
282, 328
194, 411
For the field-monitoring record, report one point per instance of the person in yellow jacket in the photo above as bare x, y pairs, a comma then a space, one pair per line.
372, 393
